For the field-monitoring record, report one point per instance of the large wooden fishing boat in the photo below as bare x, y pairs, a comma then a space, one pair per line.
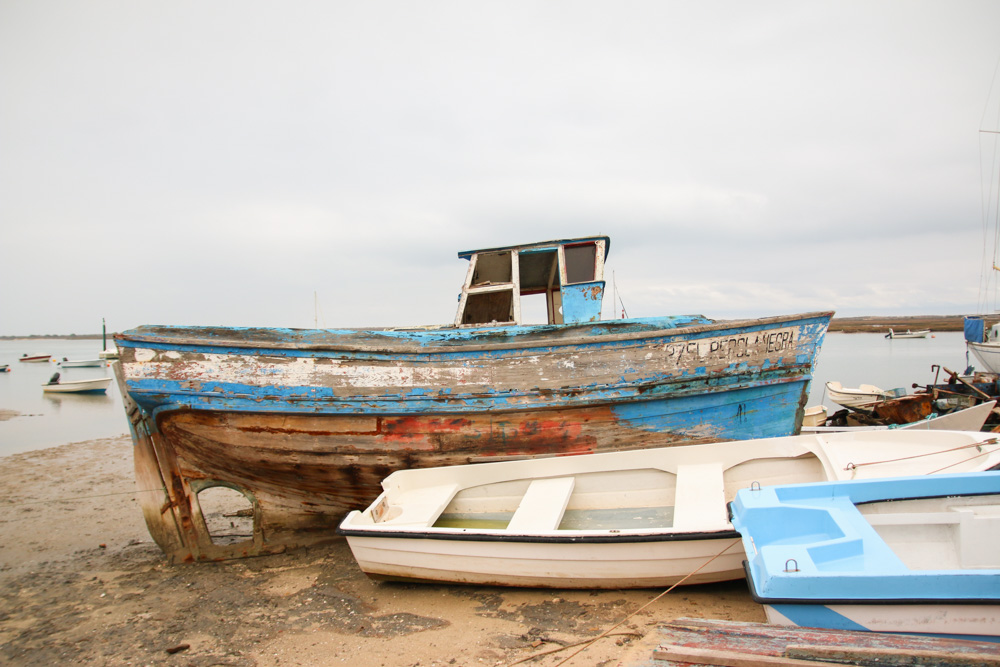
306, 423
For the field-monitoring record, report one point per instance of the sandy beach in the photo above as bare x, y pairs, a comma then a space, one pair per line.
82, 582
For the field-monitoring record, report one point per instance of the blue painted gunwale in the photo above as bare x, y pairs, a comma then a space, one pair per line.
471, 346
840, 557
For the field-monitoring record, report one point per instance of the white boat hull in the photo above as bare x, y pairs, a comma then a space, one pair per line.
41, 359
82, 363
971, 620
988, 354
909, 334
644, 518
78, 386
863, 397
552, 565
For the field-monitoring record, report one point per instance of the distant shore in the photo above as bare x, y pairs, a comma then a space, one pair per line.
57, 337
866, 324
880, 324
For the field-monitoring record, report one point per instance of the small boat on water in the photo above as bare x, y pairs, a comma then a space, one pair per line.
4, 368
306, 423
92, 386
923, 333
912, 554
82, 363
35, 358
860, 398
617, 520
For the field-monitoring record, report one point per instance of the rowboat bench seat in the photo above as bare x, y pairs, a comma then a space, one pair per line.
700, 499
542, 506
424, 506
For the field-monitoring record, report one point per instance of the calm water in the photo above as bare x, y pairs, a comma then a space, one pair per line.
50, 420
855, 359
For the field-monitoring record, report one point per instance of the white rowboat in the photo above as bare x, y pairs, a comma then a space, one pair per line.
633, 519
35, 358
82, 363
865, 396
78, 386
909, 334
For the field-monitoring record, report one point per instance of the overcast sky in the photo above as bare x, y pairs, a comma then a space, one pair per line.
224, 162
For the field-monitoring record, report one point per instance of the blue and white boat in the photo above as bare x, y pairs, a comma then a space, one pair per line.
305, 424
917, 555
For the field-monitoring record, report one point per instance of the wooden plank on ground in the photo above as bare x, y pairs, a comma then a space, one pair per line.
708, 656
687, 641
893, 657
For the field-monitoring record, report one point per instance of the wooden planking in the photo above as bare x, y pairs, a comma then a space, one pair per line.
690, 641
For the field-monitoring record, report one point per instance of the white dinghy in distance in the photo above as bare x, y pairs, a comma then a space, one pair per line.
92, 386
923, 333
82, 363
633, 519
860, 398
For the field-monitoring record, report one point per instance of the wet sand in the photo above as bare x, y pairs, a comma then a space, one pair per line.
82, 582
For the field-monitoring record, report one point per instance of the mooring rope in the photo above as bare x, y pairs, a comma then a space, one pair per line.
991, 441
71, 499
606, 633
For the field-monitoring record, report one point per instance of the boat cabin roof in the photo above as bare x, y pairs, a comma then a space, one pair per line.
542, 245
569, 272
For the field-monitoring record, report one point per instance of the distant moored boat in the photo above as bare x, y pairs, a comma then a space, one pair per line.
909, 334
81, 363
96, 385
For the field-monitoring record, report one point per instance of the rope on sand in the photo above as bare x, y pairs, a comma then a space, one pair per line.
607, 633
66, 500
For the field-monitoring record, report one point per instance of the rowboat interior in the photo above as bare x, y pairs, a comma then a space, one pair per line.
957, 533
675, 488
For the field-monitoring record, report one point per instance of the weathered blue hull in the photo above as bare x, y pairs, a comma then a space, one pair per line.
305, 423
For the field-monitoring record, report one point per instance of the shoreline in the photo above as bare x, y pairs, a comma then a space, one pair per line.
880, 324
82, 582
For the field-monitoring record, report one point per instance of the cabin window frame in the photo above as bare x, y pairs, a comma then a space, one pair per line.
597, 266
481, 291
